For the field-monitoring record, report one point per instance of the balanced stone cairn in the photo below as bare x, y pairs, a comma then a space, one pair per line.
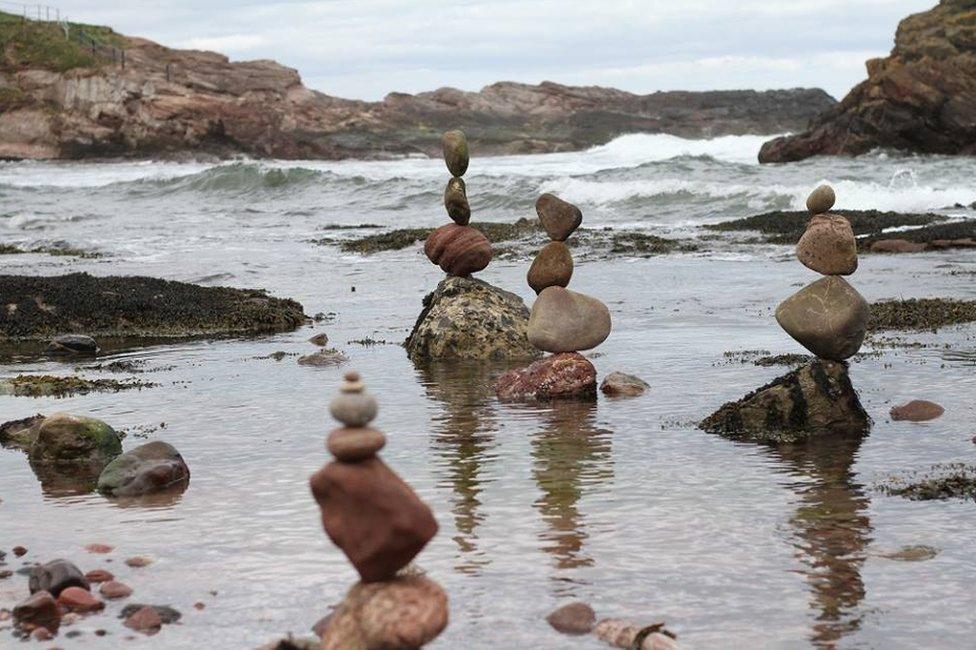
378, 521
562, 322
828, 317
457, 248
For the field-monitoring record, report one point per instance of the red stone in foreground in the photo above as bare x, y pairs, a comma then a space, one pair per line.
114, 589
76, 599
99, 575
574, 618
458, 250
373, 516
40, 610
568, 375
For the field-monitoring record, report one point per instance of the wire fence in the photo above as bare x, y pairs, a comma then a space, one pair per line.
74, 32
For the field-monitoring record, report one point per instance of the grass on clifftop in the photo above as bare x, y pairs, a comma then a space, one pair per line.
33, 44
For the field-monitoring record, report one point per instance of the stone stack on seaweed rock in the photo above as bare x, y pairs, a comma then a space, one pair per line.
829, 318
465, 318
380, 524
562, 322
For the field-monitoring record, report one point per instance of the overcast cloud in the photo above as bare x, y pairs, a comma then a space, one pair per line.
366, 48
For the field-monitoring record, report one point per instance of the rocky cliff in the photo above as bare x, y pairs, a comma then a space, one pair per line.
921, 99
165, 102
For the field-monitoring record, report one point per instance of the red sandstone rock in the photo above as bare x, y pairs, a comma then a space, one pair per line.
99, 575
568, 375
458, 250
139, 561
76, 599
145, 620
114, 589
373, 516
918, 410
19, 551
99, 548
896, 246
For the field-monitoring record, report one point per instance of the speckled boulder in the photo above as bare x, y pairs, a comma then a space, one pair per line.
829, 318
458, 250
402, 614
828, 246
815, 399
465, 318
561, 376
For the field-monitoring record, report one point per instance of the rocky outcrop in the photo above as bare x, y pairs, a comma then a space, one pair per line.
817, 399
466, 318
168, 102
921, 99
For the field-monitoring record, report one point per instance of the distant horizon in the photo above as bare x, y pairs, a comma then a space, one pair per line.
369, 49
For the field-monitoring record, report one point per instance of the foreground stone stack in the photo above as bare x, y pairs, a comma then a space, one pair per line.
457, 248
378, 521
562, 322
828, 317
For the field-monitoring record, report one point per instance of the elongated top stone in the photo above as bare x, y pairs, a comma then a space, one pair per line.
455, 145
821, 199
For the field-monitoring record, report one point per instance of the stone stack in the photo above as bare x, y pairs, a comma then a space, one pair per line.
828, 317
378, 521
562, 322
457, 248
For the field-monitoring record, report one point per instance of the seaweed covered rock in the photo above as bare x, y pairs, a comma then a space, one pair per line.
37, 308
151, 467
815, 399
66, 440
466, 318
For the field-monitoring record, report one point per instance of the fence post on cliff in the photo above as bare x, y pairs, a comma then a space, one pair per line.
123, 59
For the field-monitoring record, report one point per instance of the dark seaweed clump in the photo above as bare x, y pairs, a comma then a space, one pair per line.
404, 237
48, 385
945, 481
943, 235
42, 307
786, 227
920, 313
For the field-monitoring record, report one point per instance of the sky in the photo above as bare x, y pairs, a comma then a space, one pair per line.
363, 49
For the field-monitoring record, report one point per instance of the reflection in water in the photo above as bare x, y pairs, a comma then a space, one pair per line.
832, 530
463, 434
66, 481
570, 453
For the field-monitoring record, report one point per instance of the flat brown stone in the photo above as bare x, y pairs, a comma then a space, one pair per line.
552, 267
828, 317
559, 218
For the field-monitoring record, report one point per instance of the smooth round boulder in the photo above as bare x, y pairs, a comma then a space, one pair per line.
352, 444
152, 467
65, 439
72, 345
918, 410
828, 246
552, 267
829, 318
456, 201
559, 218
455, 146
567, 321
821, 199
458, 250
56, 576
575, 619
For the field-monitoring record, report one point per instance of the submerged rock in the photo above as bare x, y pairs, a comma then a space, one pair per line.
619, 384
568, 375
40, 609
401, 614
918, 410
466, 318
151, 467
624, 634
940, 482
65, 439
816, 399
20, 434
82, 601
575, 618
72, 345
324, 358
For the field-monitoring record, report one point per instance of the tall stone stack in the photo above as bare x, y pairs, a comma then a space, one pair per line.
457, 248
828, 317
380, 524
562, 322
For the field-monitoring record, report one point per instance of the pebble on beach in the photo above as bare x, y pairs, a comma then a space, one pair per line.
619, 384
40, 609
56, 576
76, 599
99, 575
99, 548
114, 590
139, 561
145, 620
